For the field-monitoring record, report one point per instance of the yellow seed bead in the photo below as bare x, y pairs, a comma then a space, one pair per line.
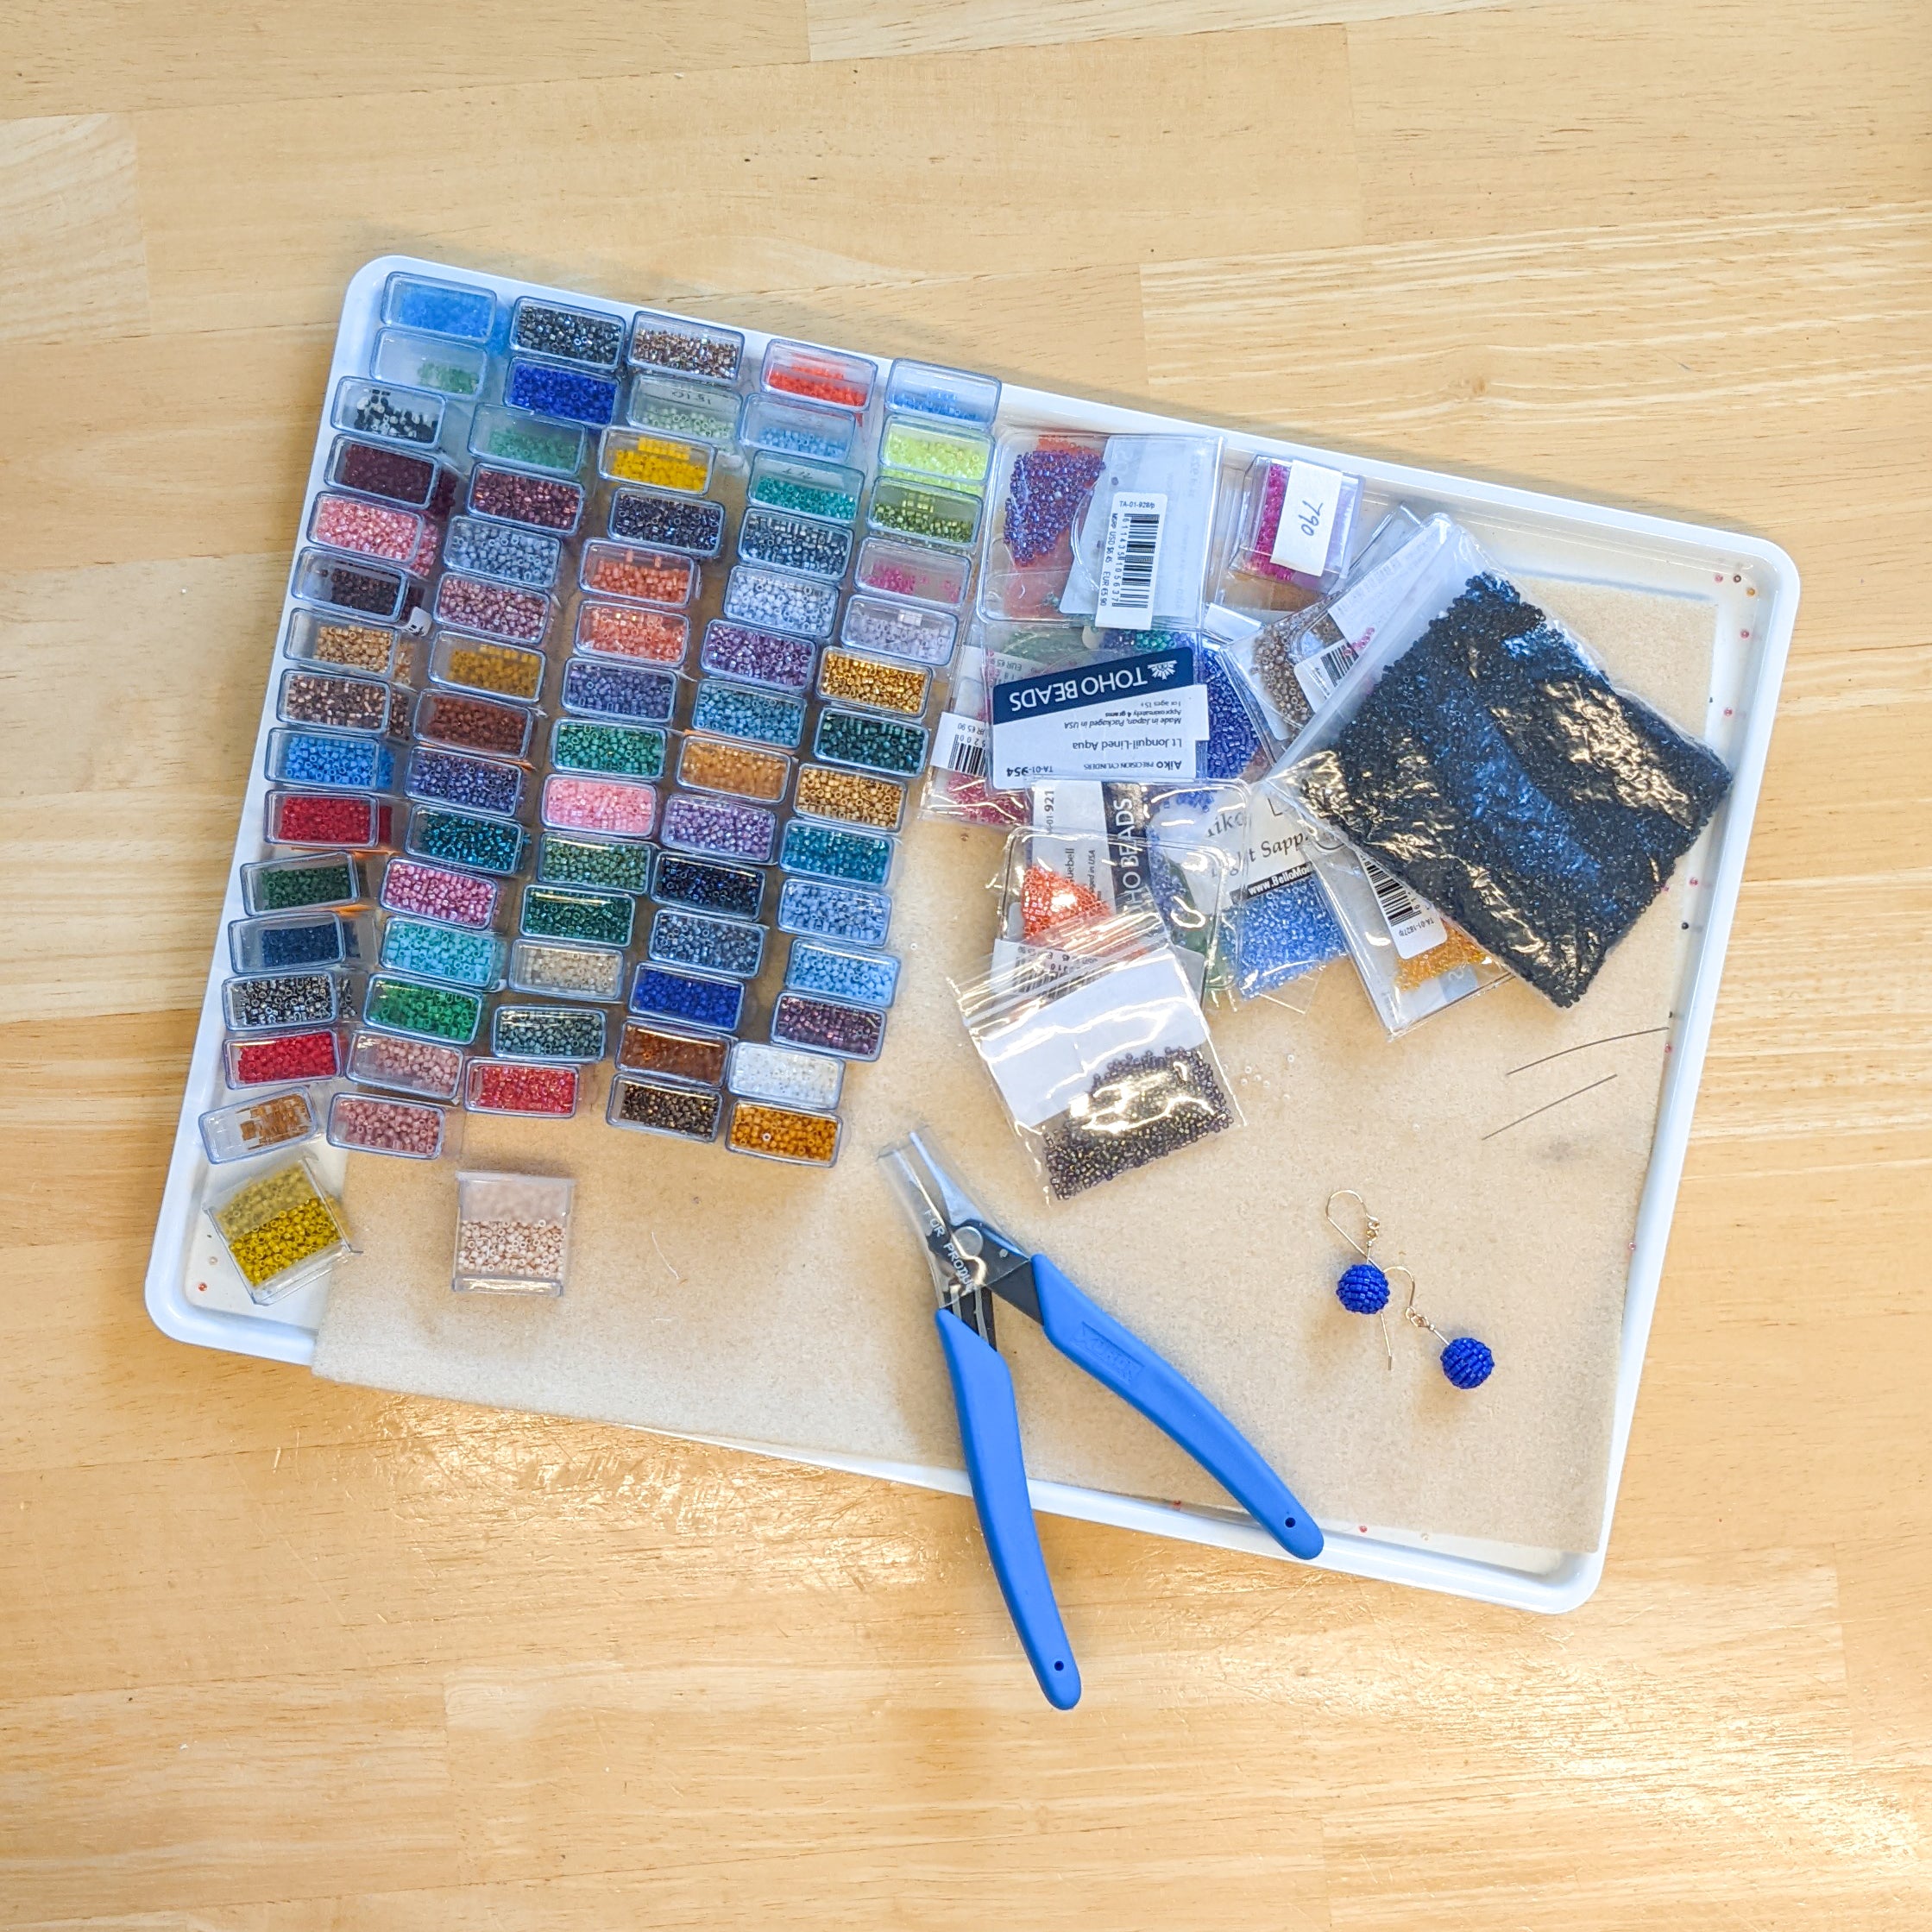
850, 797
662, 461
843, 674
783, 1133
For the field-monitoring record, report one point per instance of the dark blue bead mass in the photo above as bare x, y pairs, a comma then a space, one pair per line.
1466, 1362
1363, 1290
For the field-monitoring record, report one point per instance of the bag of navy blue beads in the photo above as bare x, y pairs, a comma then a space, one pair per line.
1479, 756
1100, 1052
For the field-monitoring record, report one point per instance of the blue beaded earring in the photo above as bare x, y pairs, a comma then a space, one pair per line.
1466, 1362
1363, 1289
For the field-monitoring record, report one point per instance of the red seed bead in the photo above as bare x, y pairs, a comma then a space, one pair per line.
293, 1056
298, 818
517, 1087
368, 529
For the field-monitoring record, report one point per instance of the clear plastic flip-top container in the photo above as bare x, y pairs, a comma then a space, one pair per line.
806, 373
247, 1127
513, 1234
946, 395
677, 346
461, 311
279, 1229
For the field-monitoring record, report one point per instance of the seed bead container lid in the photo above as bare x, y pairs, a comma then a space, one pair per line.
719, 827
549, 503
389, 412
461, 778
777, 600
246, 1128
504, 552
311, 818
703, 941
847, 974
692, 1000
665, 463
554, 389
820, 909
622, 865
359, 527
760, 717
378, 1123
924, 510
425, 1068
614, 808
468, 840
266, 1002
615, 750
586, 338
708, 885
850, 797
279, 1229
896, 630
507, 611
523, 441
310, 1052
788, 1134
408, 478
678, 346
426, 362
485, 665
537, 1089
313, 637
808, 373
731, 766
595, 687
512, 1233
362, 590
561, 912
893, 568
542, 965
758, 656
462, 311
672, 1053
797, 429
450, 955
646, 634
838, 852
828, 1026
664, 520
946, 395
661, 1106
326, 701
807, 545
543, 1032
786, 1076
463, 723
647, 577
829, 491
309, 879
327, 762
674, 406
280, 942
912, 446
394, 1004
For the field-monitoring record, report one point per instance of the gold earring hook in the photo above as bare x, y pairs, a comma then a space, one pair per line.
1414, 1317
1372, 1227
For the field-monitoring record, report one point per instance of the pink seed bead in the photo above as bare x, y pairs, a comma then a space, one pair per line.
368, 529
385, 1126
626, 811
658, 636
497, 610
436, 892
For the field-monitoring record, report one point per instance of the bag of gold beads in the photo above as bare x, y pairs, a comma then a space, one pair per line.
1100, 1051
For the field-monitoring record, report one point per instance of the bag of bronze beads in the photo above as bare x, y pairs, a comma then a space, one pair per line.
1480, 756
1100, 1051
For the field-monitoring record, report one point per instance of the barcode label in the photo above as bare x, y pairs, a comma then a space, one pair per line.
959, 744
1415, 927
1319, 675
1130, 562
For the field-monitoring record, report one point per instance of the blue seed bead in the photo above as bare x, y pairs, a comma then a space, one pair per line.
1283, 933
823, 911
433, 952
501, 549
1467, 1363
619, 691
311, 758
818, 550
450, 778
738, 711
1363, 1289
319, 944
797, 605
709, 887
713, 1004
484, 845
548, 392
829, 852
1233, 743
712, 944
872, 743
439, 308
863, 978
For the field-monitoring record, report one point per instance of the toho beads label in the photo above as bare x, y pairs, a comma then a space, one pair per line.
1131, 561
1139, 717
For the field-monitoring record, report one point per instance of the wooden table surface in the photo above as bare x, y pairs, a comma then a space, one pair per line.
284, 1657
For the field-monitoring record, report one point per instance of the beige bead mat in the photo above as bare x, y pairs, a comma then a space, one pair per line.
717, 1295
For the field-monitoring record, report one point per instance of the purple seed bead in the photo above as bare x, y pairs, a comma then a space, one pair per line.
852, 1032
619, 691
1044, 495
719, 825
761, 657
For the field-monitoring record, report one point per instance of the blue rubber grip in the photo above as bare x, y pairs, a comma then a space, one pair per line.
1119, 1358
989, 1433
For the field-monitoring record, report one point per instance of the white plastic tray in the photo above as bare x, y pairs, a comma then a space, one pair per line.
193, 1294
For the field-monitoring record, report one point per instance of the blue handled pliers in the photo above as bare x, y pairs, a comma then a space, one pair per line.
972, 1262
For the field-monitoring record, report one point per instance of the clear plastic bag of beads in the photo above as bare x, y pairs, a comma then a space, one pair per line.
956, 787
1478, 753
1100, 1052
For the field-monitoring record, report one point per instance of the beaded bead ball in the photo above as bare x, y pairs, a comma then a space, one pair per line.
1363, 1289
1467, 1362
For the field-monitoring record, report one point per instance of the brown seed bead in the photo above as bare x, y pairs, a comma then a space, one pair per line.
783, 1134
354, 646
472, 724
346, 703
691, 1111
849, 797
647, 1049
856, 680
713, 764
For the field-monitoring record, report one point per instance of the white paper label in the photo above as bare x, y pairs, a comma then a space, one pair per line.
1413, 925
1275, 837
1070, 809
1130, 561
960, 744
1125, 719
1364, 607
1307, 525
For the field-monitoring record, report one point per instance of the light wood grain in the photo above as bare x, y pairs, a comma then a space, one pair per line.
278, 1656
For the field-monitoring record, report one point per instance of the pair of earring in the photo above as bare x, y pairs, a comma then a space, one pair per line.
1363, 1289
